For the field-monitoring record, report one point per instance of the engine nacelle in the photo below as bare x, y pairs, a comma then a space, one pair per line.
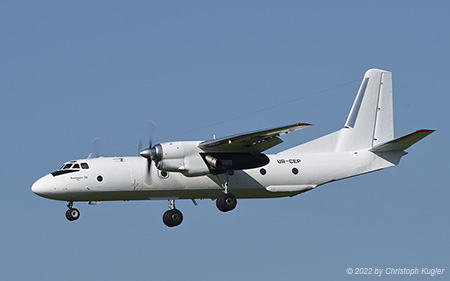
180, 157
187, 158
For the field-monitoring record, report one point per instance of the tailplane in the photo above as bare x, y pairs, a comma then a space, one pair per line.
402, 143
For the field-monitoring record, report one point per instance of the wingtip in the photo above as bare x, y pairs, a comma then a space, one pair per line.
303, 124
425, 130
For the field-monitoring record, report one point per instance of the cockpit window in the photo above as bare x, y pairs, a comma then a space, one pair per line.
74, 165
62, 172
70, 167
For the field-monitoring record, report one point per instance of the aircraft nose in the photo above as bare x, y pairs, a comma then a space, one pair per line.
43, 186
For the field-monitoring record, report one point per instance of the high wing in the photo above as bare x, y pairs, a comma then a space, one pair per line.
252, 142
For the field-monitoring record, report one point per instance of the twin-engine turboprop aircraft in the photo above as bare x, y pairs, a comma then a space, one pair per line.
235, 167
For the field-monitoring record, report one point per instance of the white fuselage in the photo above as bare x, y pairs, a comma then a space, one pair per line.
234, 167
126, 178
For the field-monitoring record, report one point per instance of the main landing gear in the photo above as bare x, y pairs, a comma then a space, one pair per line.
172, 217
226, 202
72, 213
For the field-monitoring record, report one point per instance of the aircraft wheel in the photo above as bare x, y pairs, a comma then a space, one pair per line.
226, 202
172, 217
72, 214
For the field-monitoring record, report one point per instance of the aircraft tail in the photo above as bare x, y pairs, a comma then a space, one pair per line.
370, 123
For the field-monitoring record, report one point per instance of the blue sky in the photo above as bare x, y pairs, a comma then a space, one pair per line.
72, 71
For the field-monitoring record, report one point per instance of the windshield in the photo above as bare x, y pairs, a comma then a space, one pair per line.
71, 167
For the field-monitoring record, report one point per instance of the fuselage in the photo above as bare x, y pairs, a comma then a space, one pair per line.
127, 178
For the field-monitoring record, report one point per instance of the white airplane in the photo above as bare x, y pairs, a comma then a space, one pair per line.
235, 167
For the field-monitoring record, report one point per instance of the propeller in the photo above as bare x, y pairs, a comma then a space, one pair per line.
96, 143
151, 152
139, 146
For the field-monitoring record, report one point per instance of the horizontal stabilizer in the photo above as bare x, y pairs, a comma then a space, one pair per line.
402, 143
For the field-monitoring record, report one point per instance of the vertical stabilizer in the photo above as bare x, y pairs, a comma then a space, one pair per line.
384, 124
370, 121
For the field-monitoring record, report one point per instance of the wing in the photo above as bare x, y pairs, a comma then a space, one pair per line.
253, 142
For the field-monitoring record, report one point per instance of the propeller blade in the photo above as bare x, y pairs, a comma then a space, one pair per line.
148, 152
151, 131
96, 143
149, 165
139, 147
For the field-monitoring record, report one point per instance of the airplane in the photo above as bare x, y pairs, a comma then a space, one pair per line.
227, 168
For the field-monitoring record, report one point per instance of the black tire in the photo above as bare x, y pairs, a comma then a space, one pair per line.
220, 205
72, 214
68, 215
226, 202
172, 218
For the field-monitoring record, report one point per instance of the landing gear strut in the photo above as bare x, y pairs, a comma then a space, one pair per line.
72, 213
172, 217
226, 202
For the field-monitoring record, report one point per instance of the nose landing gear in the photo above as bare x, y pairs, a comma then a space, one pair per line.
172, 217
72, 213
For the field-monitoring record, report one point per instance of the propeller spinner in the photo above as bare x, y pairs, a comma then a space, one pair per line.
152, 153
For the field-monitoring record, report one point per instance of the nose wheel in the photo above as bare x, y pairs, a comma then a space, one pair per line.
72, 213
172, 217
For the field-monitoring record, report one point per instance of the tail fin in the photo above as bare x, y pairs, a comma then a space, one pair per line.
370, 121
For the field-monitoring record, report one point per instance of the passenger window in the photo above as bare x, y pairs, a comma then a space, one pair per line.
76, 166
84, 166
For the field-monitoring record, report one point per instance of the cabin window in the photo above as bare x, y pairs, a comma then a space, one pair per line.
99, 178
294, 171
263, 171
